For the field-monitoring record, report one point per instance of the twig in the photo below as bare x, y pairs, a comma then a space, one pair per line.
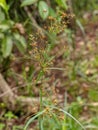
10, 99
13, 89
3, 88
40, 30
56, 68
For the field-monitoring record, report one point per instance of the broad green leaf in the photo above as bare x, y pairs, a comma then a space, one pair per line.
4, 27
4, 5
2, 126
7, 45
1, 35
43, 9
28, 2
52, 12
20, 42
62, 3
2, 15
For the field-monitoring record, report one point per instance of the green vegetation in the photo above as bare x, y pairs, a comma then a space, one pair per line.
48, 65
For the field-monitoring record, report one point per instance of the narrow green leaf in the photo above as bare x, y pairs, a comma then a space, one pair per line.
28, 2
4, 5
32, 119
68, 114
7, 45
43, 9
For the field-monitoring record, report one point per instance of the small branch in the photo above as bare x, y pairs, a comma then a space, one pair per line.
40, 30
3, 88
55, 68
93, 104
11, 100
13, 89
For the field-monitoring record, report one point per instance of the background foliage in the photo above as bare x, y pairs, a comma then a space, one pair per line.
45, 47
